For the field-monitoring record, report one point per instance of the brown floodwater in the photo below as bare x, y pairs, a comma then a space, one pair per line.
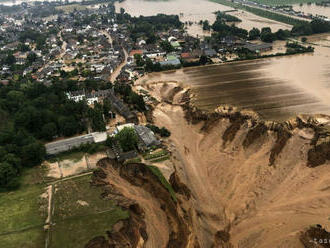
277, 88
313, 9
194, 11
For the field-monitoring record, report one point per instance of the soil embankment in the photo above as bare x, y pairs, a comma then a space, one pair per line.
240, 181
251, 177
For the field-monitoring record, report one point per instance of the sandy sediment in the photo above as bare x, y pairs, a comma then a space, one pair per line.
248, 176
240, 181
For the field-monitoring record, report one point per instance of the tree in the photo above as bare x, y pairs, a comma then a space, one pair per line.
68, 126
48, 131
206, 25
127, 139
8, 176
254, 34
33, 154
31, 57
166, 46
203, 60
139, 60
10, 59
267, 37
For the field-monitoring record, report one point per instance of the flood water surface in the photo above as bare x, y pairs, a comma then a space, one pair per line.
277, 88
194, 11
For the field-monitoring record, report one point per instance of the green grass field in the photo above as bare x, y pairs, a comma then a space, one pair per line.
77, 231
68, 195
32, 238
80, 213
22, 209
22, 216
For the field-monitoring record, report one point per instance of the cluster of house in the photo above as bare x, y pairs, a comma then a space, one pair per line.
77, 46
146, 140
90, 97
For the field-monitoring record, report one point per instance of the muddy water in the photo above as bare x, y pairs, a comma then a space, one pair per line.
313, 9
194, 11
277, 88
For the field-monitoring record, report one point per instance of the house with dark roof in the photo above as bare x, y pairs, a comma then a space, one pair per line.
257, 48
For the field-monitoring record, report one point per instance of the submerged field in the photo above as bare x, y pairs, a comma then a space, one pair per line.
276, 88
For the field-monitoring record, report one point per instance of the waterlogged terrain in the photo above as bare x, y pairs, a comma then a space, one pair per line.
313, 9
277, 88
194, 11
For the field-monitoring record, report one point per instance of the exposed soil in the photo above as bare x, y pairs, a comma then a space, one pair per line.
233, 190
227, 194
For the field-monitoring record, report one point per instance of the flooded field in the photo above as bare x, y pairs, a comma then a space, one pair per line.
194, 11
277, 88
313, 9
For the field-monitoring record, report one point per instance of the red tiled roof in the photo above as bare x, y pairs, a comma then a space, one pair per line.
133, 52
186, 55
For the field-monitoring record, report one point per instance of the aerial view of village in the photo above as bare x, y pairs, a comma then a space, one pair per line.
165, 123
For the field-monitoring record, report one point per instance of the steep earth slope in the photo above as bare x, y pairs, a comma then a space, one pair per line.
240, 181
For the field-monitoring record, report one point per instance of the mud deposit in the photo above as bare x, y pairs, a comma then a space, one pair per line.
239, 181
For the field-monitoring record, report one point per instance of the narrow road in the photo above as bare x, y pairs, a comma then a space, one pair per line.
113, 76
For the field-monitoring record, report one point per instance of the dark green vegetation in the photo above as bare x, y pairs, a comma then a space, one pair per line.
130, 97
223, 30
314, 27
146, 26
127, 139
31, 113
163, 132
226, 17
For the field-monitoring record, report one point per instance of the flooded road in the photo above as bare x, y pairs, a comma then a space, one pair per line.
194, 11
277, 88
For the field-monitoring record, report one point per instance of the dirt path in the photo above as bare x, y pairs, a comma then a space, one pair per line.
116, 72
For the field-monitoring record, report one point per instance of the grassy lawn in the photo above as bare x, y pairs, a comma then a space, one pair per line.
133, 160
34, 175
76, 232
80, 213
32, 238
77, 197
22, 209
154, 155
160, 159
